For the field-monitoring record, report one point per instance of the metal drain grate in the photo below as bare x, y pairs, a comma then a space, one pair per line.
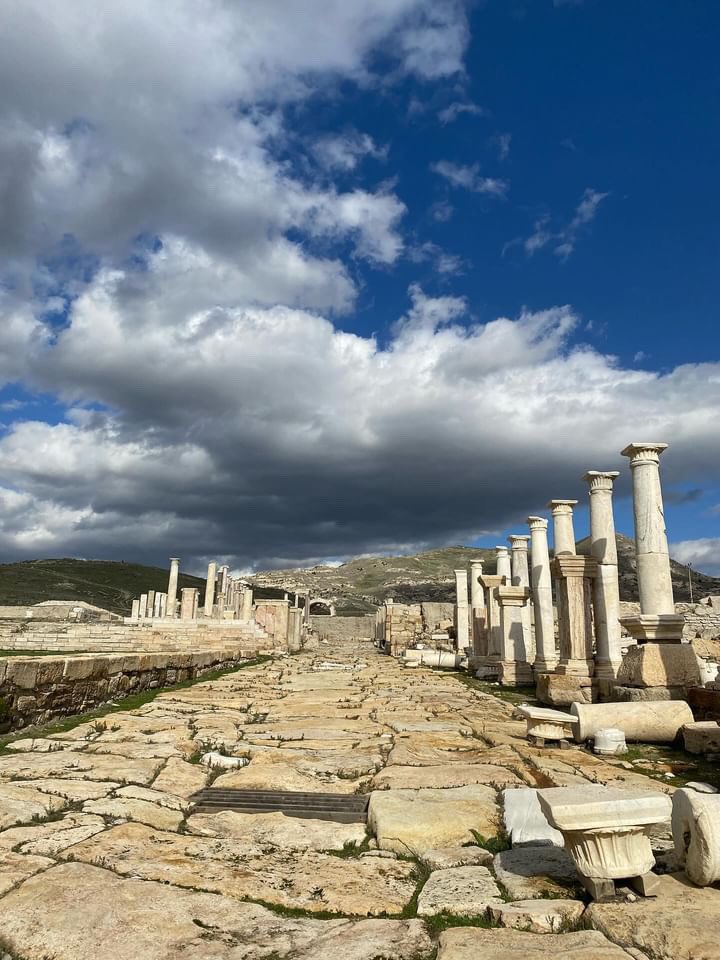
340, 807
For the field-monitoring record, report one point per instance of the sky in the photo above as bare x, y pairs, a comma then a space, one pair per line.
290, 282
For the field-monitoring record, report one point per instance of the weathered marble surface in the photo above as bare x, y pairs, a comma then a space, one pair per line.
98, 817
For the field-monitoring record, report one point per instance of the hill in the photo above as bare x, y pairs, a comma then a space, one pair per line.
359, 585
110, 584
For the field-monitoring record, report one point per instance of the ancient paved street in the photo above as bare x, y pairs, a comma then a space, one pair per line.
100, 857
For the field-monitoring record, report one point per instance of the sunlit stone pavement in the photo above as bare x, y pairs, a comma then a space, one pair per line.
100, 856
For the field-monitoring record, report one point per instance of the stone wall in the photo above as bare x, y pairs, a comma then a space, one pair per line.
400, 625
39, 689
133, 637
344, 628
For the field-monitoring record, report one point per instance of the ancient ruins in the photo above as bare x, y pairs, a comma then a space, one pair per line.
490, 778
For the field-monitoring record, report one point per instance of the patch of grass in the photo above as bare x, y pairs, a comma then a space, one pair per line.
351, 849
492, 844
441, 921
132, 702
512, 695
684, 766
41, 653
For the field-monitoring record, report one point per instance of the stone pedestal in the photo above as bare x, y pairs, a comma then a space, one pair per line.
573, 577
560, 690
514, 669
607, 833
188, 603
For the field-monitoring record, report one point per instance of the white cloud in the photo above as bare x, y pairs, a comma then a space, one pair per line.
563, 240
703, 554
345, 151
454, 110
467, 177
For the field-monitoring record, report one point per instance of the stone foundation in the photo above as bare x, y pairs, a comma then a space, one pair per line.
562, 689
344, 628
36, 690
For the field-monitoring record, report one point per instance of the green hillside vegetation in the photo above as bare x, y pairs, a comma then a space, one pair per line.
111, 584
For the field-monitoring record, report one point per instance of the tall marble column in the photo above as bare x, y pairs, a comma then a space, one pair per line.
462, 617
657, 620
545, 655
210, 588
502, 563
563, 529
477, 610
171, 609
606, 588
521, 578
224, 575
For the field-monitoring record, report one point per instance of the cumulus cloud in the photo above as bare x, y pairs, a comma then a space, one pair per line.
703, 554
268, 435
467, 177
345, 151
454, 110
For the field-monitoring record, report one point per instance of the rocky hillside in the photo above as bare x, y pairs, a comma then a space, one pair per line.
358, 585
110, 584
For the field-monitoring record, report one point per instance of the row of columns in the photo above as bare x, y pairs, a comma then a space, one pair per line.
587, 587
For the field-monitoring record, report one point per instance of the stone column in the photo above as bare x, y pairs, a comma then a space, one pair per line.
477, 610
224, 573
247, 604
142, 610
545, 655
521, 578
156, 604
606, 588
491, 660
573, 575
502, 561
188, 603
150, 609
135, 612
651, 546
220, 605
514, 668
563, 530
462, 619
173, 586
163, 605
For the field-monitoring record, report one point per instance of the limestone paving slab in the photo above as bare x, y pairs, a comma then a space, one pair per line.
410, 821
537, 916
300, 879
277, 830
16, 867
450, 775
462, 891
131, 919
532, 872
471, 943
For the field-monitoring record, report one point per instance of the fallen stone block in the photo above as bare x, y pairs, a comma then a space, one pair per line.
525, 823
459, 891
537, 916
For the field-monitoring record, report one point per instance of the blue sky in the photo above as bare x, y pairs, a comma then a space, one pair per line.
311, 280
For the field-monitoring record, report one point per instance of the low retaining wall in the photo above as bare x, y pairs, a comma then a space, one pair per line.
344, 628
39, 689
132, 637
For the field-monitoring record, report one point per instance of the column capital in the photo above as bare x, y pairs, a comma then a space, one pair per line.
519, 541
175, 559
643, 452
600, 480
561, 506
501, 550
477, 563
538, 523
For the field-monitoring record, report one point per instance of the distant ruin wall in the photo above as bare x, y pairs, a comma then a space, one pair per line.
344, 628
40, 689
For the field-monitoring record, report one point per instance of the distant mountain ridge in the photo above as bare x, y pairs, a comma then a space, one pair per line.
359, 585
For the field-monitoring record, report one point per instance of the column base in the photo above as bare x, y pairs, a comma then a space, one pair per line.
542, 665
606, 669
560, 690
515, 674
575, 668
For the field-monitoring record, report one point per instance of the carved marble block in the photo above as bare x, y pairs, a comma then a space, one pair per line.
606, 832
696, 832
546, 724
